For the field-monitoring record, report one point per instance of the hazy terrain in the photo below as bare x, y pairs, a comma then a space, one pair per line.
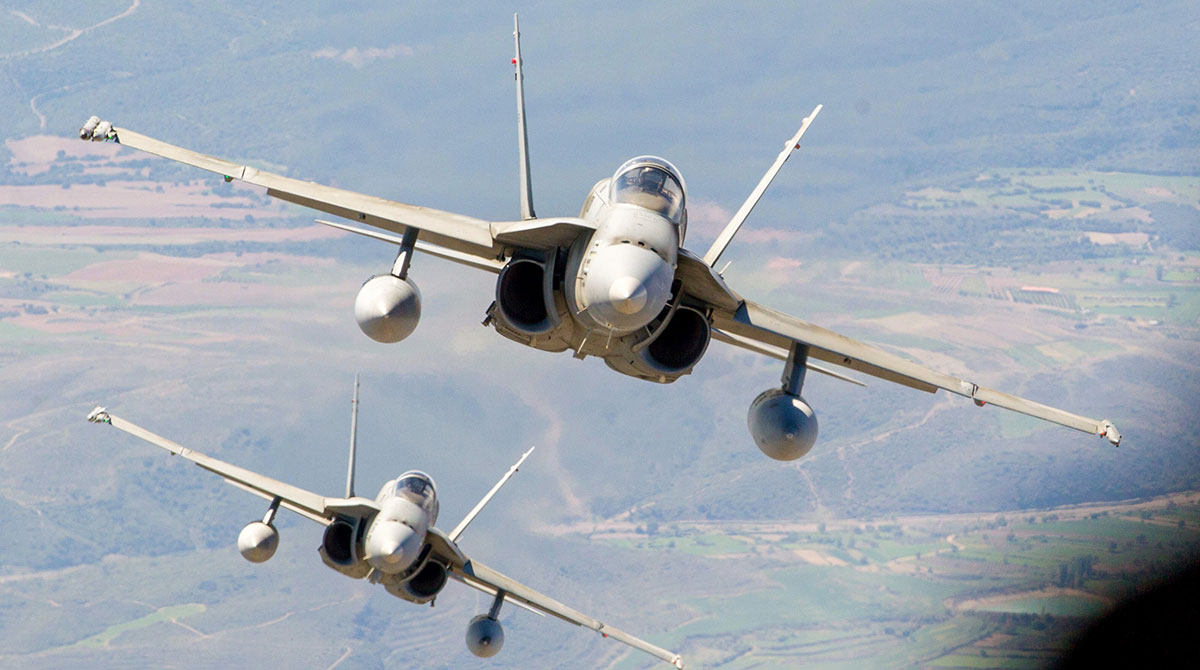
1008, 195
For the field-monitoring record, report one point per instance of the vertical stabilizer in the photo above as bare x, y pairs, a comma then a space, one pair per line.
462, 525
353, 439
522, 135
731, 229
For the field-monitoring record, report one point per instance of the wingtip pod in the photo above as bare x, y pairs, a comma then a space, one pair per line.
677, 662
1109, 432
99, 415
89, 128
95, 130
258, 541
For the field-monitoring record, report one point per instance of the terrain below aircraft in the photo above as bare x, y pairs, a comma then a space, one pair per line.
390, 540
614, 282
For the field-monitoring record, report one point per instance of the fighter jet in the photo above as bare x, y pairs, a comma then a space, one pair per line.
390, 540
614, 282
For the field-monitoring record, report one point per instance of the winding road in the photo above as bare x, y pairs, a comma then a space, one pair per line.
72, 34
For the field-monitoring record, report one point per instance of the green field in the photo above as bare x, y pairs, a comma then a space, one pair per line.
43, 260
160, 615
701, 545
903, 613
1030, 356
1065, 192
1054, 606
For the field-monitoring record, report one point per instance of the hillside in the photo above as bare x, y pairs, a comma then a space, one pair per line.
996, 193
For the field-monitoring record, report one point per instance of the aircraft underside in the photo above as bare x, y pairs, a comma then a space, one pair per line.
532, 307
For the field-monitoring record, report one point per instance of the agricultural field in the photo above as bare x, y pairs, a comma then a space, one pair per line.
832, 590
1064, 194
1004, 590
1009, 200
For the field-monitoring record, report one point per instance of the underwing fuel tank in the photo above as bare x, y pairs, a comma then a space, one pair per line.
258, 541
783, 425
388, 308
485, 636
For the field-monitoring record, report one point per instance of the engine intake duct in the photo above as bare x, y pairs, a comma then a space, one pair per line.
428, 581
338, 543
525, 297
422, 585
339, 549
679, 343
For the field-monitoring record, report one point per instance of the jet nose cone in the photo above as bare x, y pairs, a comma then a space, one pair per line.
627, 295
626, 286
391, 546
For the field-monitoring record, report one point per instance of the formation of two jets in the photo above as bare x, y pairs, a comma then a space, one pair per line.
615, 282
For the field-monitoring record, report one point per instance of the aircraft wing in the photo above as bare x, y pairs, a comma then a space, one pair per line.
308, 504
469, 236
479, 576
763, 325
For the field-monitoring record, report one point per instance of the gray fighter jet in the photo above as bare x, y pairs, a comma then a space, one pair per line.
614, 282
390, 540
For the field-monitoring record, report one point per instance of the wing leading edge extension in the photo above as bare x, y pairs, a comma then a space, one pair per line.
765, 325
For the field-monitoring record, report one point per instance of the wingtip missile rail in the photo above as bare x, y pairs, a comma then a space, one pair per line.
95, 130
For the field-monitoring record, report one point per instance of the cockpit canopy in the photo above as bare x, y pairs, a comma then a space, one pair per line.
417, 487
653, 183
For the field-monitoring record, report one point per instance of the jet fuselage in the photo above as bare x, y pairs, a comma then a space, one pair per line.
613, 292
